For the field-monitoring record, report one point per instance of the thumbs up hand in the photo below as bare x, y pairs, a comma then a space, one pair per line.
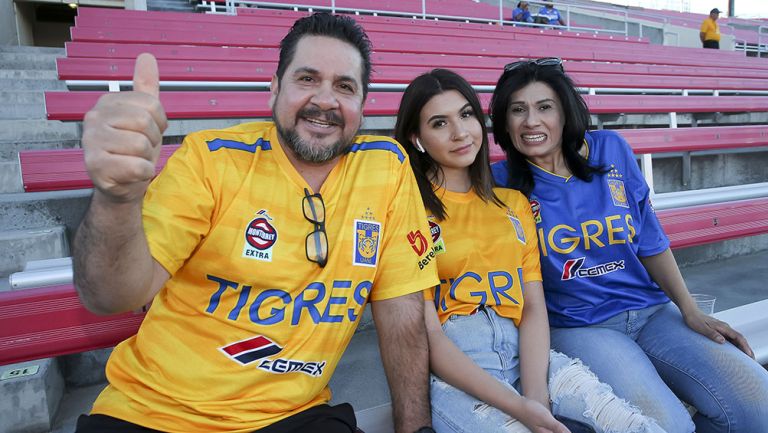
122, 135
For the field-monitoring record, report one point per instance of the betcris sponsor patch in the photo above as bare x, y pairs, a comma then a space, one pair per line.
260, 238
574, 268
366, 249
421, 247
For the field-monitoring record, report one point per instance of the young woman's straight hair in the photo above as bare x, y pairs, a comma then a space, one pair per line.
416, 96
576, 116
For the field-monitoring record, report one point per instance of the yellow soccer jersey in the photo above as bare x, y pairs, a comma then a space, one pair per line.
711, 30
484, 253
248, 331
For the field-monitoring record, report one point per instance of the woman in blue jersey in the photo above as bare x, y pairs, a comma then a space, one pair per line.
615, 296
487, 321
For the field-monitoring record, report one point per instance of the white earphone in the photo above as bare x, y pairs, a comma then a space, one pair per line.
419, 147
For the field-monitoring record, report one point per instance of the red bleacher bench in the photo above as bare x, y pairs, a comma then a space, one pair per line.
245, 104
51, 321
698, 225
64, 169
90, 60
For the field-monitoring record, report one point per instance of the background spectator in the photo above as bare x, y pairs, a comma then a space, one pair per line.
521, 13
710, 31
549, 15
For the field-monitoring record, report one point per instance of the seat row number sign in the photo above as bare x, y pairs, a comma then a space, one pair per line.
29, 370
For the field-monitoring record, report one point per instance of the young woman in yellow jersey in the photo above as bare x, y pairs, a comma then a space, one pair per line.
487, 322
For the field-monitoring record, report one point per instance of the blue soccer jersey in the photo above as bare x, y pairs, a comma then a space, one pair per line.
592, 235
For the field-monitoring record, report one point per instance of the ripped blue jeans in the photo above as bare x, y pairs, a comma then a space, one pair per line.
492, 343
651, 358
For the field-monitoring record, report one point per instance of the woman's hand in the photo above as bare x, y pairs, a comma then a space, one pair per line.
538, 419
716, 330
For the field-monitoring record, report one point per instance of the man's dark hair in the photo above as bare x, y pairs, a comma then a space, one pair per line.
416, 96
339, 27
576, 117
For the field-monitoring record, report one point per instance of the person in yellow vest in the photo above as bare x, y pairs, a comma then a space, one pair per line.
258, 246
710, 31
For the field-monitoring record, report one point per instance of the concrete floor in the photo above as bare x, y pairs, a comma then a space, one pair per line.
360, 377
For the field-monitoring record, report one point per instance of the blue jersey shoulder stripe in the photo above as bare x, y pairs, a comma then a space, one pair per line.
218, 143
379, 145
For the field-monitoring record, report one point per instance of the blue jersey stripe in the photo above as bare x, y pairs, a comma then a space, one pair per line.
379, 145
219, 143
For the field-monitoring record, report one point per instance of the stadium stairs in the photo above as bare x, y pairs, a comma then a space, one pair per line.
38, 226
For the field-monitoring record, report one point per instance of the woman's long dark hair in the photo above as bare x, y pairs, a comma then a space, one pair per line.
416, 96
576, 116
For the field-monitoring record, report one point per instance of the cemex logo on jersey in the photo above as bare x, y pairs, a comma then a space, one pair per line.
573, 269
259, 348
252, 349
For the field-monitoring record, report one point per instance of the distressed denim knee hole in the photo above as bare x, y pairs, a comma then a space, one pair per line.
609, 413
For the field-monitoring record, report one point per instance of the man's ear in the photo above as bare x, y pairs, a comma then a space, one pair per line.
274, 89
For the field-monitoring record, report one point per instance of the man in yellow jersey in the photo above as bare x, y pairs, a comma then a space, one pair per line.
710, 31
259, 247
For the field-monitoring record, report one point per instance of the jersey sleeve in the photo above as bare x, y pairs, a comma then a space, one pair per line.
650, 235
178, 207
407, 258
704, 26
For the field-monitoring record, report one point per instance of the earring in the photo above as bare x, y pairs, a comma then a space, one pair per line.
419, 147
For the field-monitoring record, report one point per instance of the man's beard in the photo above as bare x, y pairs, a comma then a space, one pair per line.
304, 150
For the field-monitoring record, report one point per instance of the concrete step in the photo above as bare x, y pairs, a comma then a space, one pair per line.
10, 177
18, 246
29, 75
18, 84
29, 61
85, 369
10, 151
31, 392
42, 209
170, 5
23, 49
22, 104
28, 131
171, 8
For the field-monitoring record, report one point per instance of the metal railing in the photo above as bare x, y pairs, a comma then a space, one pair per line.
425, 13
619, 13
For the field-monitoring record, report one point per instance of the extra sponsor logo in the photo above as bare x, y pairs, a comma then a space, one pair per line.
437, 239
574, 268
260, 238
259, 348
367, 235
536, 209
